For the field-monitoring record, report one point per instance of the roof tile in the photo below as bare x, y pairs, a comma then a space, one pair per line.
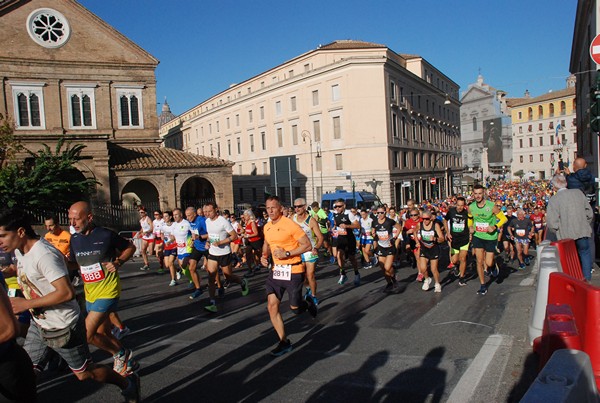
122, 158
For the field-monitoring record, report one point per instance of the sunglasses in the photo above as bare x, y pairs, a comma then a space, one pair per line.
381, 212
339, 206
426, 218
156, 214
414, 215
299, 206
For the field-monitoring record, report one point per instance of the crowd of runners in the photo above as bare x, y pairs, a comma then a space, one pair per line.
210, 250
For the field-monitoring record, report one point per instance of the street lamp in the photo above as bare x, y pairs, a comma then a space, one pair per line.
306, 134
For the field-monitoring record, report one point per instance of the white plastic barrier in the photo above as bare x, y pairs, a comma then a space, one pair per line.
548, 262
566, 378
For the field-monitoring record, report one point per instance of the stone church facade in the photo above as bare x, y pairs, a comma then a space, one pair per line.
66, 73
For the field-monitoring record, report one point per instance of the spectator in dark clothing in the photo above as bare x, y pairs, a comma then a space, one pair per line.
582, 178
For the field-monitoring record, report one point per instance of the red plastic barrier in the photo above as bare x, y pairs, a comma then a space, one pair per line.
569, 258
584, 300
559, 332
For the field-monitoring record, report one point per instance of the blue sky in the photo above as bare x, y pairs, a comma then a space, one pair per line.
206, 45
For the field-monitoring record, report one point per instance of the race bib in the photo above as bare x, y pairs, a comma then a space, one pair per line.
383, 235
458, 226
428, 236
538, 225
214, 238
481, 226
195, 232
341, 231
92, 273
282, 272
520, 232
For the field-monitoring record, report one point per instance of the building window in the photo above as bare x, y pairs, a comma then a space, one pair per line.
227, 122
240, 190
229, 147
295, 135
335, 92
520, 114
317, 130
239, 146
293, 104
540, 112
279, 137
530, 142
520, 143
551, 125
405, 160
306, 68
563, 107
29, 106
521, 159
541, 141
392, 90
530, 128
551, 111
130, 108
253, 169
540, 127
520, 129
263, 140
265, 169
414, 129
278, 108
474, 123
48, 28
551, 140
249, 117
251, 143
396, 159
237, 120
337, 130
81, 107
541, 157
530, 113
338, 162
403, 128
394, 125
315, 97
531, 158
262, 113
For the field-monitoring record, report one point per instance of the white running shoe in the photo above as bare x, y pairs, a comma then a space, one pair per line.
437, 287
426, 283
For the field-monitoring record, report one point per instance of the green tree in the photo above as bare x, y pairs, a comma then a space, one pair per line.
47, 180
9, 143
519, 173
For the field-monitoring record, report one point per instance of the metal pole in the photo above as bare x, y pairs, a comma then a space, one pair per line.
275, 172
305, 134
290, 179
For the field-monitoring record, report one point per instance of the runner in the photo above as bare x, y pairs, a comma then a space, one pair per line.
57, 236
410, 240
146, 233
311, 229
100, 253
507, 243
199, 236
157, 223
220, 235
254, 243
183, 237
429, 234
285, 242
520, 231
343, 240
456, 223
57, 321
321, 216
366, 239
384, 231
170, 252
487, 218
539, 224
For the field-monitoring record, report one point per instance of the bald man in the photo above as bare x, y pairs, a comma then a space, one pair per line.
99, 253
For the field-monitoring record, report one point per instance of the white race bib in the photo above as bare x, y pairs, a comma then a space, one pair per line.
458, 226
282, 272
520, 232
481, 226
92, 273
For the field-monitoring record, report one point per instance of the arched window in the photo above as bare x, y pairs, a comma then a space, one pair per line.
551, 110
563, 107
474, 123
540, 111
530, 113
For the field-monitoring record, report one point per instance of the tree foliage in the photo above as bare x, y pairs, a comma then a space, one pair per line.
9, 143
47, 180
519, 173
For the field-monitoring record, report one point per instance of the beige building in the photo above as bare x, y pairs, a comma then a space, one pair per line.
544, 131
347, 113
66, 73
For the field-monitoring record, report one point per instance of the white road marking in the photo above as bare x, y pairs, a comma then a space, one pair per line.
466, 386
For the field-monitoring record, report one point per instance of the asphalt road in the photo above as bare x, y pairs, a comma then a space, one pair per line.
365, 345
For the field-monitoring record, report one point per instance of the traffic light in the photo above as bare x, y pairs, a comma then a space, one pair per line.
595, 106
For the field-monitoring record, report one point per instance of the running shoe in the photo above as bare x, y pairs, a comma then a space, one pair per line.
389, 287
420, 277
527, 260
211, 308
132, 393
191, 286
357, 279
284, 346
426, 283
221, 292
257, 268
145, 268
178, 275
161, 271
312, 308
374, 261
196, 294
451, 265
125, 364
332, 260
343, 279
308, 291
120, 333
437, 287
521, 266
495, 271
226, 284
482, 290
173, 283
315, 300
462, 282
245, 288
249, 273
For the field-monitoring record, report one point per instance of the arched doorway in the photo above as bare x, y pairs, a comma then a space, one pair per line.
140, 192
196, 191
